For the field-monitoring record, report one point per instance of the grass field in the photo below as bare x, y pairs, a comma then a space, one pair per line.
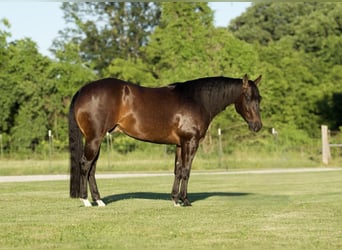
158, 160
238, 211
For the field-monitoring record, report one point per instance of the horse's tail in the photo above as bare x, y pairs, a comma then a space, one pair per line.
76, 152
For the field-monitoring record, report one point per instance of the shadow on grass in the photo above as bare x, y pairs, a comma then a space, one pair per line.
165, 196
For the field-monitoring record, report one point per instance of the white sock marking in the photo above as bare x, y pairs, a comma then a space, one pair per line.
100, 203
86, 202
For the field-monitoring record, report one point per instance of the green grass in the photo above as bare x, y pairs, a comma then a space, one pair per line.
158, 160
239, 211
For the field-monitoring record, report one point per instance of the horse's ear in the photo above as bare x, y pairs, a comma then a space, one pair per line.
245, 82
256, 81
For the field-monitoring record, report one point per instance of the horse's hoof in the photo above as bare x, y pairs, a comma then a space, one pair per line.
86, 202
100, 203
176, 204
186, 203
182, 203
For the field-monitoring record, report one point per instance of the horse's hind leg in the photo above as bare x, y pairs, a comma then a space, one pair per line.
91, 150
93, 186
85, 166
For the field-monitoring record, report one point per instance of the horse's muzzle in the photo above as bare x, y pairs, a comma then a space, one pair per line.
255, 126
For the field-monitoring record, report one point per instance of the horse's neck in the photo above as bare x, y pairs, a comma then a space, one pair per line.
219, 95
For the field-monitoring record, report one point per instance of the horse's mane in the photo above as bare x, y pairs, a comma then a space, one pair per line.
215, 93
212, 83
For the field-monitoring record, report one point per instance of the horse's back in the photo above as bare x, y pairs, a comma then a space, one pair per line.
101, 87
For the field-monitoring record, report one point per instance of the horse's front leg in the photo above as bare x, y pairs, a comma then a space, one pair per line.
178, 176
189, 149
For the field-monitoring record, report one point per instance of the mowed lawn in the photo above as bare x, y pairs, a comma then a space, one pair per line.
238, 211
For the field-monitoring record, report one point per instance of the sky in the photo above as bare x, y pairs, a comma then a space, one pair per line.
41, 21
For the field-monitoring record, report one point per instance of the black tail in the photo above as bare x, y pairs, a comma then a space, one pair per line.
76, 152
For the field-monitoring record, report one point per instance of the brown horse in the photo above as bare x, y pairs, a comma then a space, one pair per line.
178, 114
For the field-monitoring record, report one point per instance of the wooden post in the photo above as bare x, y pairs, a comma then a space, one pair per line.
108, 149
50, 146
325, 145
220, 151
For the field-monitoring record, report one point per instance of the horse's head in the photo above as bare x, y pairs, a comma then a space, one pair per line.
247, 105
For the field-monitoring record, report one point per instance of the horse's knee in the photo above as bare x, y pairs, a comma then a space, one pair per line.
84, 165
178, 166
185, 174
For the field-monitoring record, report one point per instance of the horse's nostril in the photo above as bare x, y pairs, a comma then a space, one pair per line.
255, 126
258, 126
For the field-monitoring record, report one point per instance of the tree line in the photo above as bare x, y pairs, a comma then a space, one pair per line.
295, 46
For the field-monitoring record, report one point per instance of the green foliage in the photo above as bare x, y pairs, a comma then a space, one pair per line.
104, 31
135, 71
23, 108
35, 95
177, 44
295, 46
300, 52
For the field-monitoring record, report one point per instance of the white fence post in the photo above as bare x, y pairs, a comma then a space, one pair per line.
325, 145
220, 151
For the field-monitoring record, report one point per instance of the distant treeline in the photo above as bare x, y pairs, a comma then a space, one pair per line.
295, 46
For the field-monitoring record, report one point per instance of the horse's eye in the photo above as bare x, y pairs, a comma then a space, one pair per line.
247, 98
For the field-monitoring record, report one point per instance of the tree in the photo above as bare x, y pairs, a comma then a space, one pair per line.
25, 119
178, 45
66, 75
6, 89
314, 27
299, 48
269, 22
36, 92
104, 31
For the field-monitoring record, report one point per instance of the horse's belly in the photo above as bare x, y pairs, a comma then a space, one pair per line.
148, 130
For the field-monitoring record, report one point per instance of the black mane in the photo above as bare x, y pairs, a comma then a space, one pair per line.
214, 93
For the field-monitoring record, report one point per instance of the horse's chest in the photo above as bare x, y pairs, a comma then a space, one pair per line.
190, 123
